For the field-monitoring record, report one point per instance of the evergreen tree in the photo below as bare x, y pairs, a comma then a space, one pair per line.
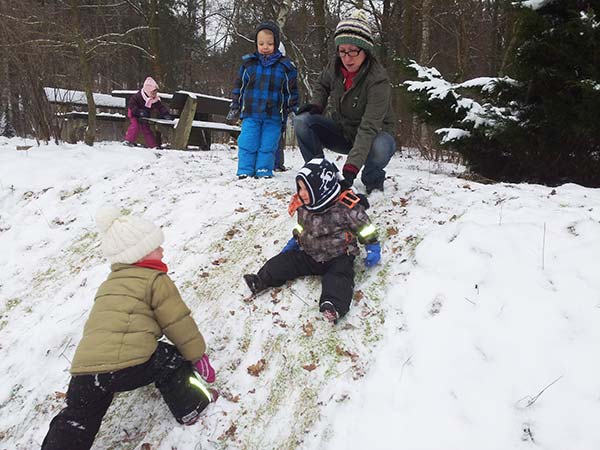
6, 128
540, 123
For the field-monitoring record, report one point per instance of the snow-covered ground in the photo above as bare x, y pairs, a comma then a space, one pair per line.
479, 330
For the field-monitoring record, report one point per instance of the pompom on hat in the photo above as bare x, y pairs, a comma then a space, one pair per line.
355, 31
126, 239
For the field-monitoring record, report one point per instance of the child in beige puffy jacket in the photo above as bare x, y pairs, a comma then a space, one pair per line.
120, 351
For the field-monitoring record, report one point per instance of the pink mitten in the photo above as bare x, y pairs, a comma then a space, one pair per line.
205, 370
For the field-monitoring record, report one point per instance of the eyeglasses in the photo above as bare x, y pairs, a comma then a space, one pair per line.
351, 53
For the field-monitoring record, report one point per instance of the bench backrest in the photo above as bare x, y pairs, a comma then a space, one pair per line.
207, 104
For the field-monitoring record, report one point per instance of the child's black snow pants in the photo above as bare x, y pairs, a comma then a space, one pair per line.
337, 284
89, 397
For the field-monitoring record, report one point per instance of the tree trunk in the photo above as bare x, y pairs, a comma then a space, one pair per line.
319, 7
154, 37
426, 8
282, 15
86, 72
496, 38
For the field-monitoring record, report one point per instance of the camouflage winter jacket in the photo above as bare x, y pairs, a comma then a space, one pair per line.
133, 308
333, 232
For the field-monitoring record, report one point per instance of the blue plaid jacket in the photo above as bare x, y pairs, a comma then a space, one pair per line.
266, 87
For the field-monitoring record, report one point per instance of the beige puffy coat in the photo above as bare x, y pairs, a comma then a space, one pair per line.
133, 308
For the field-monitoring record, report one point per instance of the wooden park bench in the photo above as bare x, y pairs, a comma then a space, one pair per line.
194, 122
193, 126
72, 109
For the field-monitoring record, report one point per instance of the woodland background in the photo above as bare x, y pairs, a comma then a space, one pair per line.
196, 45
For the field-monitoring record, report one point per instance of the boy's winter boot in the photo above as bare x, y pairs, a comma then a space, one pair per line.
329, 312
255, 284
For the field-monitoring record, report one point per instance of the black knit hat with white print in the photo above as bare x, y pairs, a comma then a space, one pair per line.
322, 182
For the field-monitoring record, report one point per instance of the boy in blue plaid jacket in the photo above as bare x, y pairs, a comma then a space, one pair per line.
265, 92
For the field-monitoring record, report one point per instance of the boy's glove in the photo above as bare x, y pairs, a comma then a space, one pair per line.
292, 244
373, 254
204, 369
349, 172
310, 108
233, 116
166, 116
143, 113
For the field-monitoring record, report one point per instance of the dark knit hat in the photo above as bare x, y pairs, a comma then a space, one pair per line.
322, 182
272, 27
356, 31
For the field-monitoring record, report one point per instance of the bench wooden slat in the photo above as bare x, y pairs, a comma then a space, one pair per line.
99, 115
67, 96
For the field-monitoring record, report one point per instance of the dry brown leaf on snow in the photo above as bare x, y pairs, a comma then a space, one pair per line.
310, 367
59, 395
256, 369
402, 202
280, 322
358, 296
146, 446
240, 209
308, 329
392, 231
218, 262
231, 233
229, 396
229, 433
340, 351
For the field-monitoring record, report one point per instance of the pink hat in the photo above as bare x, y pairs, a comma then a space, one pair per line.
150, 85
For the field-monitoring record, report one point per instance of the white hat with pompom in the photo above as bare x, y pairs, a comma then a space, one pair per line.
127, 239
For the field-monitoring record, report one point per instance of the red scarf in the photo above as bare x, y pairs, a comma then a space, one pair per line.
153, 264
348, 77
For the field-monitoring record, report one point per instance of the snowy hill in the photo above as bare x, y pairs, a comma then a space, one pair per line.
479, 330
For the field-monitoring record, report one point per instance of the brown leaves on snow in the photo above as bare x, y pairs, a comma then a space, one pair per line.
358, 296
229, 433
340, 351
310, 367
392, 231
308, 329
256, 369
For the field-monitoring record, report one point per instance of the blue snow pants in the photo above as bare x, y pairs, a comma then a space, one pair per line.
257, 145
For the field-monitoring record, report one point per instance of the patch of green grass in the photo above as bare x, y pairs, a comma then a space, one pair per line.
12, 303
40, 278
77, 190
246, 339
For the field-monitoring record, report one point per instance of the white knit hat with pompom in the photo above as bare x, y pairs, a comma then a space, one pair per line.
126, 239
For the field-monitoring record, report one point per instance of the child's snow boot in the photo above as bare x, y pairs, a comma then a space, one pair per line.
329, 312
255, 284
